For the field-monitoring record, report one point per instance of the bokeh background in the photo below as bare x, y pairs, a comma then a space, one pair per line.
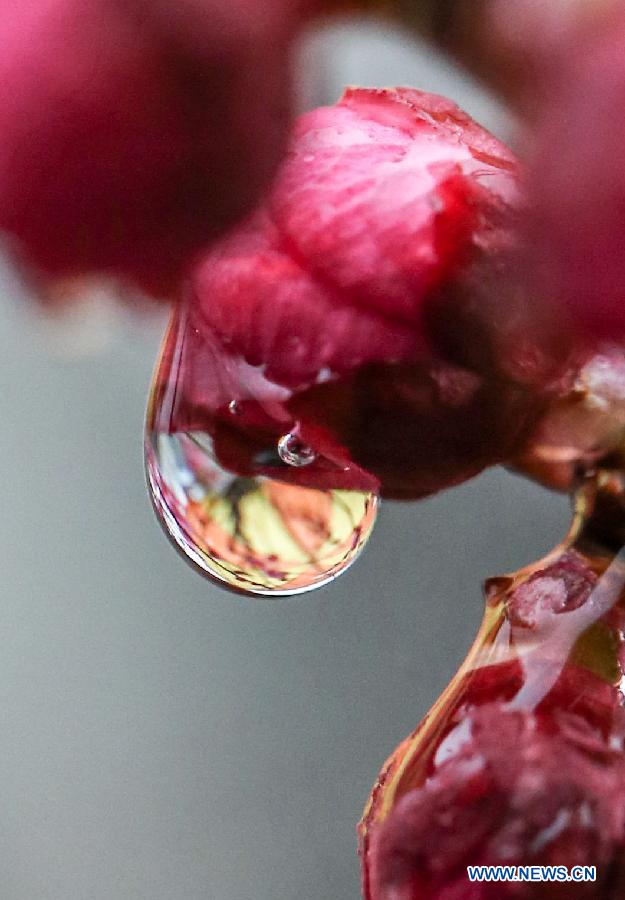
161, 739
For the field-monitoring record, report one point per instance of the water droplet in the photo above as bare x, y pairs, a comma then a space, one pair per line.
293, 452
256, 532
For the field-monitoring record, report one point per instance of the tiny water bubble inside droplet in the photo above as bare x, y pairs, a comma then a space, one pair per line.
255, 534
293, 452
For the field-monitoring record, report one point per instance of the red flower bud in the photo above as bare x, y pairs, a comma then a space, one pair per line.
383, 203
520, 762
524, 790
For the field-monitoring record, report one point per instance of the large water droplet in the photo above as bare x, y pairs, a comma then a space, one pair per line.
248, 502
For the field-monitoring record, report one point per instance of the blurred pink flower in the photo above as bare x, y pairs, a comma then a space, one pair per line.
576, 258
133, 132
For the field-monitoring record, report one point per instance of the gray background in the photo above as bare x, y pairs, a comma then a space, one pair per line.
159, 739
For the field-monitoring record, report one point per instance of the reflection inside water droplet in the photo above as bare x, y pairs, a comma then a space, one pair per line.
256, 532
